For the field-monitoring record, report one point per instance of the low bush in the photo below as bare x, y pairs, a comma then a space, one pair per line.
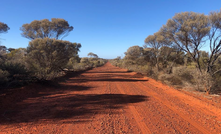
3, 77
216, 87
203, 81
171, 79
80, 67
184, 73
14, 75
14, 68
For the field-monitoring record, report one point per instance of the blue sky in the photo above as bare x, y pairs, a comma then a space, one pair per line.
105, 27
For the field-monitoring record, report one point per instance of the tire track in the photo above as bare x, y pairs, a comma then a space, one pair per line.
124, 121
166, 103
198, 109
159, 115
137, 117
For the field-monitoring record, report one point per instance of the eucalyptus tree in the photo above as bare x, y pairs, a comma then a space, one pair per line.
56, 28
92, 55
188, 30
155, 42
3, 27
214, 42
134, 55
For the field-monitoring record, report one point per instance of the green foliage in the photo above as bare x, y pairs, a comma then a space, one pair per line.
13, 71
92, 55
3, 52
125, 63
134, 55
203, 59
171, 79
13, 74
175, 49
47, 57
184, 73
3, 77
116, 62
14, 68
216, 87
56, 28
87, 63
17, 55
3, 27
79, 67
187, 30
92, 62
73, 61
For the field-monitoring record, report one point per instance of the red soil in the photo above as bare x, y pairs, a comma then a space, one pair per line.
108, 100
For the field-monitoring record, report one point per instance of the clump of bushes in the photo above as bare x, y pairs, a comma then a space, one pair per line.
184, 73
3, 77
86, 63
43, 60
180, 72
13, 71
13, 75
171, 79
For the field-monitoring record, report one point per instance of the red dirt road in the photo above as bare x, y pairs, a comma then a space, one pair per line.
108, 100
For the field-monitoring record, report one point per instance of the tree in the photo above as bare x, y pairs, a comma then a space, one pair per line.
3, 27
215, 42
3, 49
188, 30
92, 55
47, 57
149, 56
134, 55
3, 52
116, 61
56, 28
155, 42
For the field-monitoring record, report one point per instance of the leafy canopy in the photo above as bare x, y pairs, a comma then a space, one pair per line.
92, 55
56, 28
3, 27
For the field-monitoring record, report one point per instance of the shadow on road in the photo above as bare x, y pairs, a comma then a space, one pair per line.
107, 77
112, 72
51, 102
63, 107
107, 80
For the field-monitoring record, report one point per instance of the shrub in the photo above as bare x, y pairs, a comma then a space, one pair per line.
203, 81
79, 67
14, 68
171, 79
216, 87
184, 73
13, 75
47, 57
3, 77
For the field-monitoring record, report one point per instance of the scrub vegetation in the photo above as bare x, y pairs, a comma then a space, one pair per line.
174, 54
46, 57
